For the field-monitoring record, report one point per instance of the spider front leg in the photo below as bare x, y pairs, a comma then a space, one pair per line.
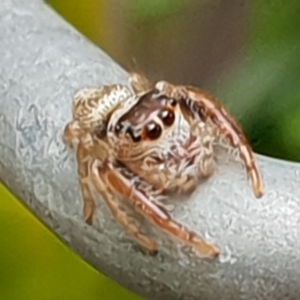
140, 194
139, 82
117, 210
207, 108
199, 105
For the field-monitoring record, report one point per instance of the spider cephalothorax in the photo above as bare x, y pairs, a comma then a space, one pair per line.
149, 142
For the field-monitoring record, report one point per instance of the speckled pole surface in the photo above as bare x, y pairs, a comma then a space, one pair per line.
43, 63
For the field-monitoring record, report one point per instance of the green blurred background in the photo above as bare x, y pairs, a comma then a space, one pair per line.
246, 53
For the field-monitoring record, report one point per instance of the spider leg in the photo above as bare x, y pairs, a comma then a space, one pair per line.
207, 107
139, 82
72, 132
117, 210
138, 192
199, 105
84, 161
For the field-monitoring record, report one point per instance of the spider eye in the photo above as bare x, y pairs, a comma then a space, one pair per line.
118, 128
167, 117
172, 102
153, 131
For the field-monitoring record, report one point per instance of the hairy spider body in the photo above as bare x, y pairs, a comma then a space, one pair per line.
178, 157
147, 143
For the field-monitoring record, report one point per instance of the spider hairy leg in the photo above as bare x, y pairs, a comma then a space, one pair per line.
84, 162
138, 193
230, 129
118, 212
139, 82
205, 107
72, 131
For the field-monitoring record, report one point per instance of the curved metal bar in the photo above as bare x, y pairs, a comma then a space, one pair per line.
43, 63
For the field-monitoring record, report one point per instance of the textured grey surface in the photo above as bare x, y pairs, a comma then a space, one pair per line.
43, 63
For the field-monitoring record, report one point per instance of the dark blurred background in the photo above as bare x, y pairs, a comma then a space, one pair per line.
247, 53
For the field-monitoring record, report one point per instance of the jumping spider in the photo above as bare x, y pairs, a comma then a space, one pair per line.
137, 145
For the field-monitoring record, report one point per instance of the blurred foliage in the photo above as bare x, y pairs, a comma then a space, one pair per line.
36, 265
264, 93
146, 10
83, 14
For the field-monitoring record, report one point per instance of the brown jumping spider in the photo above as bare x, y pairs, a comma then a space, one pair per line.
139, 145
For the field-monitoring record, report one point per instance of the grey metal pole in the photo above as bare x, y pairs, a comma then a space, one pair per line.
44, 61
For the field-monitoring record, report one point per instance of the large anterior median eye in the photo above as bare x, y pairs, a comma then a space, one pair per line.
167, 116
153, 131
